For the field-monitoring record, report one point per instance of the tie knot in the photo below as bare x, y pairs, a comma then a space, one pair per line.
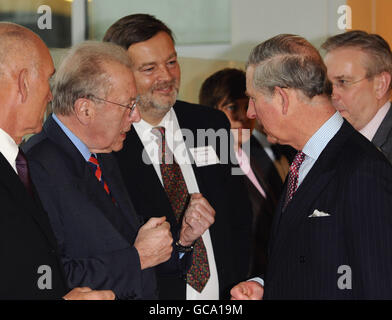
93, 160
159, 132
299, 158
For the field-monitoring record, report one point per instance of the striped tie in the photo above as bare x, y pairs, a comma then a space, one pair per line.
94, 164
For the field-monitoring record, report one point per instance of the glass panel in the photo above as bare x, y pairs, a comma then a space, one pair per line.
25, 13
201, 21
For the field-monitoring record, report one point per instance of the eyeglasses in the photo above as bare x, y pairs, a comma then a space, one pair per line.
345, 84
130, 106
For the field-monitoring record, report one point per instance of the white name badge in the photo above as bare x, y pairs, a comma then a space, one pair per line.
204, 156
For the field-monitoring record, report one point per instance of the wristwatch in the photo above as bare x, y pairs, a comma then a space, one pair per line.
182, 248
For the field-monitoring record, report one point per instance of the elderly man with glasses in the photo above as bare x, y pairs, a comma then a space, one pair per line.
360, 68
102, 241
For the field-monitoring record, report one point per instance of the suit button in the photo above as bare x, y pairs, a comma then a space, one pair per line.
301, 259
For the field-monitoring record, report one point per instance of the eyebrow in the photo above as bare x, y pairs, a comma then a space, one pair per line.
342, 77
174, 54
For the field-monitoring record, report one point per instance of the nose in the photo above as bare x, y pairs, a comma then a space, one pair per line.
135, 115
335, 93
164, 73
251, 114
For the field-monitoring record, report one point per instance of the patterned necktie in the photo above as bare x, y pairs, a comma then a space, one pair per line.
94, 164
293, 177
23, 171
177, 193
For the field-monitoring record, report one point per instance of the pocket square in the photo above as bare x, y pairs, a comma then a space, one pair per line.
317, 213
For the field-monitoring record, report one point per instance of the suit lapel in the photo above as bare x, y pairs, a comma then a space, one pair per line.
384, 132
140, 172
186, 123
87, 182
308, 192
118, 190
23, 199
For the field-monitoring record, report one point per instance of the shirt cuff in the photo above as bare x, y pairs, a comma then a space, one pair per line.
258, 280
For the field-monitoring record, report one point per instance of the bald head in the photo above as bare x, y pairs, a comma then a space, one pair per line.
19, 48
25, 69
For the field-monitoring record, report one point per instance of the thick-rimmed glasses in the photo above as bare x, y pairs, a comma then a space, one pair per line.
130, 106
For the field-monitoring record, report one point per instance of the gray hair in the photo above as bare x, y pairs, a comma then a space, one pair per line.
374, 46
289, 61
82, 73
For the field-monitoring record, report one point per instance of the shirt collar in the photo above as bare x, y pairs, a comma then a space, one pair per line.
323, 135
169, 122
8, 147
75, 140
371, 128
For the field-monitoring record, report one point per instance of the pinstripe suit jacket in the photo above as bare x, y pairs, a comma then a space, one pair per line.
352, 182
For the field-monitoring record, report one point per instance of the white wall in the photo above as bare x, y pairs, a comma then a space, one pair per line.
254, 21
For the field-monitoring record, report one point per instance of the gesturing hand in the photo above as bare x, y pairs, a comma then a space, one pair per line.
198, 217
154, 242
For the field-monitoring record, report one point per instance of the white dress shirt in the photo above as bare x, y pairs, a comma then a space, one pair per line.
175, 142
8, 148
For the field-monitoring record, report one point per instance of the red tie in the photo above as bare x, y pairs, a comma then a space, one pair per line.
94, 164
177, 192
293, 177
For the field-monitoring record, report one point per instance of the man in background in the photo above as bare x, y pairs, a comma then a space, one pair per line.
360, 68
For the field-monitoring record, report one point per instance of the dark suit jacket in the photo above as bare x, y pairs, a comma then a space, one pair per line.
262, 208
383, 137
95, 236
26, 243
230, 234
352, 182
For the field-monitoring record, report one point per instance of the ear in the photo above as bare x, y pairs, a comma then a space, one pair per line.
381, 84
84, 110
23, 84
283, 96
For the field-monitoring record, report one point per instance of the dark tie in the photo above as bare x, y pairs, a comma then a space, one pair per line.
292, 184
23, 171
94, 164
178, 195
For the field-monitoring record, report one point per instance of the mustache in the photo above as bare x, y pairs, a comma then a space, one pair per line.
164, 84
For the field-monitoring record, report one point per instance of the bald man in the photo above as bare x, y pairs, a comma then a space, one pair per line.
30, 267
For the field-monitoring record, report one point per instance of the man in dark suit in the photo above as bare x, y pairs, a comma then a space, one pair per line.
359, 66
331, 235
30, 267
198, 168
102, 241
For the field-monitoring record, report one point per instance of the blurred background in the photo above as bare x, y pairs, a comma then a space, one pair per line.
210, 34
